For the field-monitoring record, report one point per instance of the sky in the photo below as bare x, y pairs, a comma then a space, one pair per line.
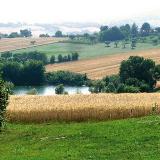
60, 11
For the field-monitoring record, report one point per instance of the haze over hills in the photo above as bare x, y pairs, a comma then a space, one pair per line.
73, 27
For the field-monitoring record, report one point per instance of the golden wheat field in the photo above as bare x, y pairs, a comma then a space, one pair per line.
10, 44
98, 67
81, 107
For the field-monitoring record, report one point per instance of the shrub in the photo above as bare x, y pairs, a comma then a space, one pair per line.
59, 89
32, 92
66, 78
131, 89
4, 95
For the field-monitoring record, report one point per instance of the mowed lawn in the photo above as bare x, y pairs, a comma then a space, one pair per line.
86, 51
113, 140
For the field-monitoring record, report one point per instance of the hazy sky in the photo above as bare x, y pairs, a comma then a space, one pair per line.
59, 11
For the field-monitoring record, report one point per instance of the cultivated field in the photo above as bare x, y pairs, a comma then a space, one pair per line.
81, 107
99, 67
87, 51
10, 44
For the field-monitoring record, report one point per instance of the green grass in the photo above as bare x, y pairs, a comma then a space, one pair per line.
86, 51
115, 140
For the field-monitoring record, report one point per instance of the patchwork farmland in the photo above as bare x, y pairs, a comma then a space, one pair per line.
106, 65
11, 44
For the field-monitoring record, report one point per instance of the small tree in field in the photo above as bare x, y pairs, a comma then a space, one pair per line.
107, 43
116, 44
4, 94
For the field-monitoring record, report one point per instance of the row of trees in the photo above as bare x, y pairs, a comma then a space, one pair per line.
22, 33
60, 58
26, 56
33, 73
38, 56
136, 75
126, 31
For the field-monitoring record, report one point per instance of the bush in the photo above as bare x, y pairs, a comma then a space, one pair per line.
66, 78
32, 92
59, 89
97, 86
4, 95
131, 89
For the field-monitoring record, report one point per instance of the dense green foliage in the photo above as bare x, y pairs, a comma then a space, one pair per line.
138, 70
132, 139
23, 57
136, 75
66, 78
28, 73
37, 56
111, 34
4, 95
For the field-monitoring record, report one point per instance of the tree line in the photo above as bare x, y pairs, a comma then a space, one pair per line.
22, 33
33, 73
38, 56
123, 33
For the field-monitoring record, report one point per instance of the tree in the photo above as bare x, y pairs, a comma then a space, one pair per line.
11, 72
52, 59
69, 57
145, 29
25, 33
59, 89
133, 43
92, 38
60, 58
157, 72
139, 68
112, 34
33, 73
107, 43
124, 44
13, 35
75, 56
126, 30
58, 34
103, 28
4, 95
116, 44
134, 30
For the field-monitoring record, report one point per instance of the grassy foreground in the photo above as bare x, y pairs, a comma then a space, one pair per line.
123, 139
86, 51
